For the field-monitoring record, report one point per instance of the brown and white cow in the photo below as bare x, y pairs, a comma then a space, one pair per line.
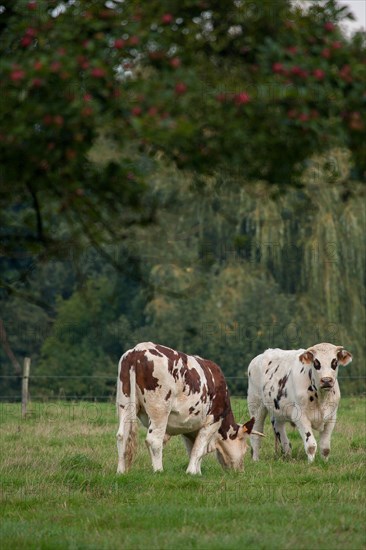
176, 394
297, 386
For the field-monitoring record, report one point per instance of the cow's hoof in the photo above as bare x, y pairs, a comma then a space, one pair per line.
325, 454
193, 472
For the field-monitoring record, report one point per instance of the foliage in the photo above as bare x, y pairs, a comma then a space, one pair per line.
152, 199
259, 87
224, 277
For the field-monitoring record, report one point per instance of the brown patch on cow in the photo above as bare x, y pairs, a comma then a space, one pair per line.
168, 395
144, 368
311, 398
270, 363
155, 352
122, 406
191, 378
325, 452
281, 392
218, 393
190, 410
172, 356
234, 435
190, 375
196, 413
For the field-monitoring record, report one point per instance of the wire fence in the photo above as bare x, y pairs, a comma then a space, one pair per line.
237, 386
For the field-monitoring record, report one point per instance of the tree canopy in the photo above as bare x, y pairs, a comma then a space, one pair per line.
141, 137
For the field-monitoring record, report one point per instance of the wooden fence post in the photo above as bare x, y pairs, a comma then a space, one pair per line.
25, 380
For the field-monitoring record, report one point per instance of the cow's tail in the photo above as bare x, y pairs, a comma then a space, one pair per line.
132, 434
127, 413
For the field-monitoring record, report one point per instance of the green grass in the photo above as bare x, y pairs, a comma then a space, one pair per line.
59, 488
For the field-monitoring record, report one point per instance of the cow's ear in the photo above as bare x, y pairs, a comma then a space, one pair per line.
344, 357
307, 357
246, 428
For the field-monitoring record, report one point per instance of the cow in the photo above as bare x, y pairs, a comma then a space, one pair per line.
297, 386
173, 393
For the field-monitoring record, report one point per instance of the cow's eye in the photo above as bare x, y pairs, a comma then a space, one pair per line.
316, 364
334, 364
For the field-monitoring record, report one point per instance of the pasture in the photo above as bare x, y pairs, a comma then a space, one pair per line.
59, 488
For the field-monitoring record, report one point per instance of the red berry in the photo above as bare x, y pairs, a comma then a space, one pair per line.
119, 43
292, 49
292, 113
37, 82
32, 5
17, 75
167, 18
87, 111
55, 66
175, 62
58, 120
326, 53
97, 72
329, 26
134, 40
37, 65
319, 74
336, 45
31, 32
277, 68
26, 41
180, 88
136, 111
221, 97
242, 99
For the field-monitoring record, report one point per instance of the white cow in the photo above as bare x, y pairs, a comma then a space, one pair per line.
176, 394
297, 386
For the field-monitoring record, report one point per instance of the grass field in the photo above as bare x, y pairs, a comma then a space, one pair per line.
59, 488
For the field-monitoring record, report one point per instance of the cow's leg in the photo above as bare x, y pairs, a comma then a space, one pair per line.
155, 440
324, 441
124, 429
279, 429
200, 448
308, 438
259, 411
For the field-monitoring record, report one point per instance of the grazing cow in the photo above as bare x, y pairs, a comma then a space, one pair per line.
297, 386
173, 393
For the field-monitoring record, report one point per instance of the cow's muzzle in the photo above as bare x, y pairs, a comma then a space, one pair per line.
326, 383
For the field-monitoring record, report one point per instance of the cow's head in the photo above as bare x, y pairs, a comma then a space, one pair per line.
230, 452
324, 360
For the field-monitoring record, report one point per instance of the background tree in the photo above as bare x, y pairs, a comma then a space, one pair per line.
160, 160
